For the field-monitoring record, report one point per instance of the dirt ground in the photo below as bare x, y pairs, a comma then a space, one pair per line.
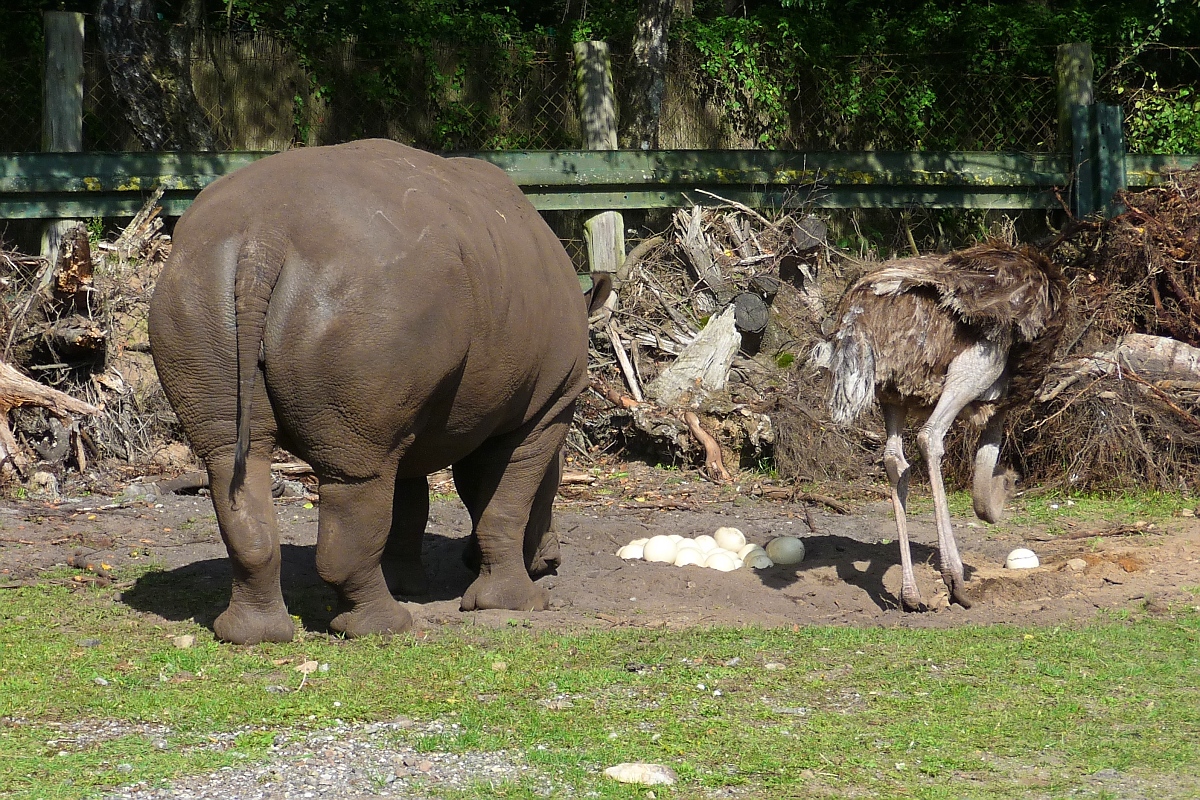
850, 576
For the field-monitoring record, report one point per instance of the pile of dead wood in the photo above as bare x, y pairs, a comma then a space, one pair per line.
710, 329
708, 354
1121, 407
78, 325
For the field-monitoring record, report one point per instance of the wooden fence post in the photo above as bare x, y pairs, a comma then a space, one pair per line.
1073, 73
62, 103
605, 232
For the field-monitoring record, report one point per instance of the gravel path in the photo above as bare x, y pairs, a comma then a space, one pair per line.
344, 761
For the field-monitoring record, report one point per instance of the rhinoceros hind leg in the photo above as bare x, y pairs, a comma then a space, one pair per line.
352, 531
256, 610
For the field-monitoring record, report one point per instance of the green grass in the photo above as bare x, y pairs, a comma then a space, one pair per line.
1055, 511
973, 711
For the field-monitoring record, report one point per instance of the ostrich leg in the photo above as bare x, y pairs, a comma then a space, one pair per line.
898, 473
990, 489
970, 375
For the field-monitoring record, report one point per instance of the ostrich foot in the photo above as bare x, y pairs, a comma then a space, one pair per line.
958, 592
911, 600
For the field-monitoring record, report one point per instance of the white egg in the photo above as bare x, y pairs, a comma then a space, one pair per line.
730, 539
640, 542
748, 548
631, 552
687, 556
720, 560
676, 538
786, 550
1021, 559
757, 560
689, 544
706, 542
659, 548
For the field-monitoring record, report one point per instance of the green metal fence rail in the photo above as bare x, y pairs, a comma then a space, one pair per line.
84, 185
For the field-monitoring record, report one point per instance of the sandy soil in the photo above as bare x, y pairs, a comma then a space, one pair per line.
851, 574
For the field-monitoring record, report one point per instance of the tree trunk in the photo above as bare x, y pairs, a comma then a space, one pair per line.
151, 72
649, 72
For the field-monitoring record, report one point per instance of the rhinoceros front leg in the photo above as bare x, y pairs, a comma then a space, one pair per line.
402, 566
352, 531
256, 610
499, 484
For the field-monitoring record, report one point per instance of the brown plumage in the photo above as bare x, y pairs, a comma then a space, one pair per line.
938, 335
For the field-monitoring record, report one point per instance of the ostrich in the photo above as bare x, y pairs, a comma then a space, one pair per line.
938, 335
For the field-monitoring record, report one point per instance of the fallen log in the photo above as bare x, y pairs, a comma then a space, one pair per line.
17, 390
703, 366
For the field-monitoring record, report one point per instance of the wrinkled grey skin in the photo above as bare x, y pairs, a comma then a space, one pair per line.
383, 313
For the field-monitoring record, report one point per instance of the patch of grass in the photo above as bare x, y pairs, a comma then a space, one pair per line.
1053, 510
1049, 510
920, 502
881, 712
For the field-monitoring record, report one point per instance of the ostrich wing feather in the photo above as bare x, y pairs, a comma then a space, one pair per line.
993, 287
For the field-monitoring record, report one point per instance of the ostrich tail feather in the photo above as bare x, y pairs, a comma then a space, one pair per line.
852, 365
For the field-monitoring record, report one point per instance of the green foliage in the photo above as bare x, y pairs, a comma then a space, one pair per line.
1162, 121
925, 73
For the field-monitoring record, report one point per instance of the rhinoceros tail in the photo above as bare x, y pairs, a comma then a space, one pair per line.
259, 263
852, 365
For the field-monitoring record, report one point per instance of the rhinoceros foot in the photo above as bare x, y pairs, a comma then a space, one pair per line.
384, 617
244, 624
516, 593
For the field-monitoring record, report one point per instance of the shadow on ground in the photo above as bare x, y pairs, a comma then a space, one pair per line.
855, 563
200, 590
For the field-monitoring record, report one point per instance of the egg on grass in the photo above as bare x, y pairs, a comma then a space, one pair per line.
631, 552
721, 560
659, 549
759, 560
1021, 558
749, 548
786, 550
688, 556
730, 539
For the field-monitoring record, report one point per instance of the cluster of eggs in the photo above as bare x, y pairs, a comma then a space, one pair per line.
725, 550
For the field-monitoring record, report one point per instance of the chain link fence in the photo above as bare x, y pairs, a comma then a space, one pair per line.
257, 93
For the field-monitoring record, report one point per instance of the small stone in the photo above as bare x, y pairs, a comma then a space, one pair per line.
773, 665
185, 641
425, 766
499, 666
1077, 565
161, 744
88, 643
641, 773
99, 681
126, 768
